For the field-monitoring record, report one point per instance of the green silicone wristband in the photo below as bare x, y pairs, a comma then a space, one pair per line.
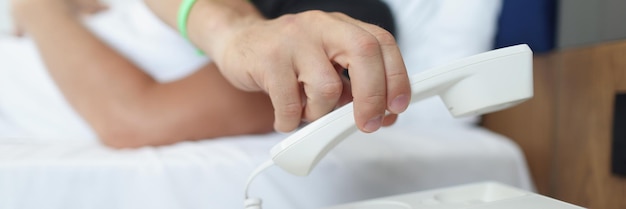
183, 16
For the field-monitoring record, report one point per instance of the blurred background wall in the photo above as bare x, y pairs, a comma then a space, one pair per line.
584, 22
552, 24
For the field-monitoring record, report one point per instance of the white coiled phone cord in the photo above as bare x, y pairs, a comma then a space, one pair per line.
255, 203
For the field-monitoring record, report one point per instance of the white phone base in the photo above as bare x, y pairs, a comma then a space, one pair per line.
487, 195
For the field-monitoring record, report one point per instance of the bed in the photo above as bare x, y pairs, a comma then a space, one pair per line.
49, 158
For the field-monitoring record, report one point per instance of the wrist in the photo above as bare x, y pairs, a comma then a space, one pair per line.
210, 25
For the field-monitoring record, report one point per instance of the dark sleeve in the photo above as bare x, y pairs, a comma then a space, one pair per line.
371, 11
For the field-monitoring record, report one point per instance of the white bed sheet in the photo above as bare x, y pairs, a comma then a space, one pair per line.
211, 174
50, 158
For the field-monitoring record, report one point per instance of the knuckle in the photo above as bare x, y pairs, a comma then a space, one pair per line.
290, 110
287, 18
289, 23
273, 53
397, 75
331, 90
385, 38
319, 18
367, 45
314, 14
299, 18
339, 14
375, 100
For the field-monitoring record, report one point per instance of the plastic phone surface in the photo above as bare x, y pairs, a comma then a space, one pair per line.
486, 195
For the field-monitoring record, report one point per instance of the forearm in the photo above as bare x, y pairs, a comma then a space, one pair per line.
124, 105
94, 79
210, 22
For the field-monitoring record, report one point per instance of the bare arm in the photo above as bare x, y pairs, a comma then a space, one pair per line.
298, 56
125, 106
211, 22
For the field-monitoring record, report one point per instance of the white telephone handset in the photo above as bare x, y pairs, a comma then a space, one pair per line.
478, 84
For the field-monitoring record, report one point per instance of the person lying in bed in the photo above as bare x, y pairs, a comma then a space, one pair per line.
273, 62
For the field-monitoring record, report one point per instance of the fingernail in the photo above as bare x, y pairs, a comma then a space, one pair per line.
373, 124
281, 130
399, 104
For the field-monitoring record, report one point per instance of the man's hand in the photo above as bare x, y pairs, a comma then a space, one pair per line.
297, 59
